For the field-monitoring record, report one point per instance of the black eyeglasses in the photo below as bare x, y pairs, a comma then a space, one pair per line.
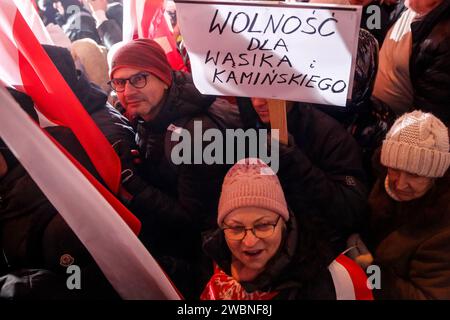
138, 80
261, 231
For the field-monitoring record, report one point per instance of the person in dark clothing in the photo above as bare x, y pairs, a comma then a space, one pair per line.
359, 118
104, 25
81, 25
320, 169
378, 16
414, 65
163, 100
47, 11
74, 19
109, 20
37, 245
159, 212
265, 252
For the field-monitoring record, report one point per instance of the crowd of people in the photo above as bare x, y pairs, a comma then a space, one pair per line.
367, 186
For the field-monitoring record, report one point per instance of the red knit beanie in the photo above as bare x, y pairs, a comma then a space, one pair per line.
144, 54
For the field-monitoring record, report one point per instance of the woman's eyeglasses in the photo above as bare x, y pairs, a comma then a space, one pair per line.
261, 231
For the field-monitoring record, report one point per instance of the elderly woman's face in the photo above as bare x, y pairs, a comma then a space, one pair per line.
251, 254
407, 186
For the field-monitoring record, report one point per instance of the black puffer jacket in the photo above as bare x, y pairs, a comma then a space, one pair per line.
430, 62
321, 170
299, 269
387, 15
196, 186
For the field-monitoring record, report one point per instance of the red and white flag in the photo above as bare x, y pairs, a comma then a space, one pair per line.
28, 9
125, 262
146, 19
26, 66
350, 281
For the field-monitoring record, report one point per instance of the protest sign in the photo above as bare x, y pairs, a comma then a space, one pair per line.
291, 51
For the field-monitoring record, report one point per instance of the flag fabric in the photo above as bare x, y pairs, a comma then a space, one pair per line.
28, 9
146, 19
123, 259
100, 221
29, 69
350, 281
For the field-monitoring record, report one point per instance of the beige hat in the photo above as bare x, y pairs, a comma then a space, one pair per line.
93, 58
418, 143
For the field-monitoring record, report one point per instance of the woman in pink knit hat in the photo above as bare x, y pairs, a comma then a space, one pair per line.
410, 210
261, 251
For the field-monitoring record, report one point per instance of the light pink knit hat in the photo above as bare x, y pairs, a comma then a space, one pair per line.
418, 143
251, 183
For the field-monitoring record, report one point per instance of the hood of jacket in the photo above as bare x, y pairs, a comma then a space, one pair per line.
90, 95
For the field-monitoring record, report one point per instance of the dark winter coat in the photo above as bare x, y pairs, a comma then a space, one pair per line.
386, 17
411, 242
429, 64
320, 171
110, 31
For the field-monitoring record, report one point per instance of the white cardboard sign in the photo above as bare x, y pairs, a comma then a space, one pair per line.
291, 51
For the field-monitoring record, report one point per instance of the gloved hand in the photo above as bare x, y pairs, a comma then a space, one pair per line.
131, 184
358, 251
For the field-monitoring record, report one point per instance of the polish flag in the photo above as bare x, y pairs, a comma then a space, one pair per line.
123, 259
28, 9
350, 281
94, 214
146, 19
27, 67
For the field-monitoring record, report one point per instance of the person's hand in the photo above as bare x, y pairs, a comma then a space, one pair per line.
96, 5
98, 10
358, 251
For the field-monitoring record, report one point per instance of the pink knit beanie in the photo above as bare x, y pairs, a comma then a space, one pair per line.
251, 183
418, 143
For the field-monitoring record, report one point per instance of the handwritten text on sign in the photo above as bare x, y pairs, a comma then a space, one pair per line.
264, 49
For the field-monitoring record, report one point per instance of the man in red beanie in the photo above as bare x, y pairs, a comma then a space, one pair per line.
162, 101
144, 64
